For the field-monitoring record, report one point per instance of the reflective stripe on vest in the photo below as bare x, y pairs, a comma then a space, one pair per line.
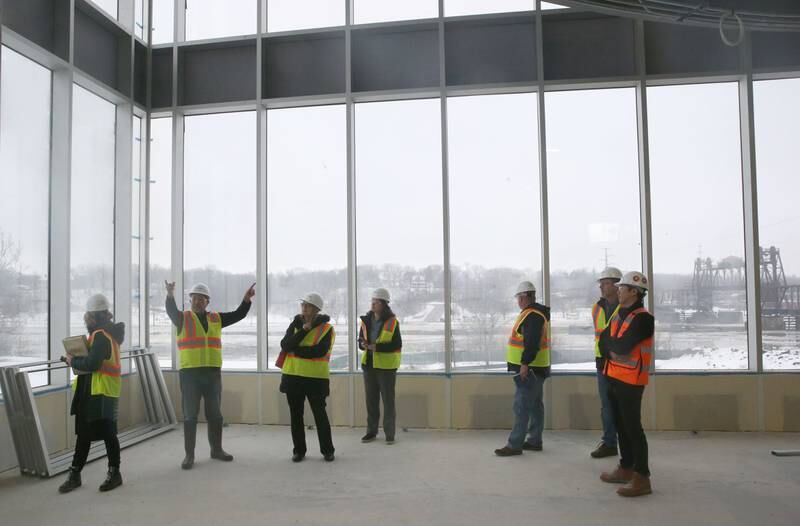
383, 359
107, 380
600, 324
198, 347
633, 368
516, 342
311, 367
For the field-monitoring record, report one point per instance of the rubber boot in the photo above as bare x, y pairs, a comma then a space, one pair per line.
73, 482
113, 480
189, 435
215, 441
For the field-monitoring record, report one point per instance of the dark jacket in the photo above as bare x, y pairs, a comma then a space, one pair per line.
396, 343
641, 328
291, 343
532, 329
227, 318
85, 406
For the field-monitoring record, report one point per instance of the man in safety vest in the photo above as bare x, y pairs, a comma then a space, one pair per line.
627, 346
602, 312
528, 355
95, 401
199, 341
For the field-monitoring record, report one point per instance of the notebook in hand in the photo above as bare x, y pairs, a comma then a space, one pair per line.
77, 346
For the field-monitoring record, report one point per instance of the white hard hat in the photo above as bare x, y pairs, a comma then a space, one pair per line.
523, 287
200, 288
314, 299
635, 279
381, 294
97, 303
610, 273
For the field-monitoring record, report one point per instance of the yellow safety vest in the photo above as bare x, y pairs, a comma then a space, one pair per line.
384, 359
600, 324
311, 367
198, 347
516, 342
107, 380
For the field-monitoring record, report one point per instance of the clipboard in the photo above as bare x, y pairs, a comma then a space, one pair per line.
77, 346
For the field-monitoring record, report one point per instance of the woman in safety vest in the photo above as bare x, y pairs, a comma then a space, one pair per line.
627, 346
379, 338
96, 396
305, 356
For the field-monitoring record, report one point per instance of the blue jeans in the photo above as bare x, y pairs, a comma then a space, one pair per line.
606, 412
528, 411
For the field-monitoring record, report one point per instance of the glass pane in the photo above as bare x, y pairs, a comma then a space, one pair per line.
399, 220
136, 192
698, 234
91, 202
219, 246
287, 15
494, 169
163, 21
138, 23
777, 114
368, 11
214, 19
477, 7
160, 257
307, 163
592, 167
550, 5
109, 6
24, 209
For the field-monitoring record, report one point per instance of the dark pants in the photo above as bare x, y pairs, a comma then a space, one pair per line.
84, 443
626, 403
296, 401
379, 383
205, 383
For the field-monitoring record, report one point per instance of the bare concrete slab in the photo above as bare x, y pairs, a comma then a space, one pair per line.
427, 477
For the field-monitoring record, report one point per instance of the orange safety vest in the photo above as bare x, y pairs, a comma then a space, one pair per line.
633, 368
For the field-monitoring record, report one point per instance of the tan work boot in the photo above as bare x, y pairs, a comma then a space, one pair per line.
638, 486
620, 475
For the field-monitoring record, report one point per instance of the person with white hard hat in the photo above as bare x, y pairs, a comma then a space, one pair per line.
95, 400
379, 338
602, 312
199, 342
627, 346
305, 364
528, 355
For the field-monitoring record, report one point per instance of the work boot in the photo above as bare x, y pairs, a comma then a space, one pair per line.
113, 480
602, 450
527, 446
215, 441
638, 486
506, 451
73, 482
369, 437
189, 435
620, 475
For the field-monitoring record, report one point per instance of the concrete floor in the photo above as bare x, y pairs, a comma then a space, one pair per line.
427, 477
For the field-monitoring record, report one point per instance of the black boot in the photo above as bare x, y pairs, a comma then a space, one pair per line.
215, 441
113, 480
189, 435
74, 481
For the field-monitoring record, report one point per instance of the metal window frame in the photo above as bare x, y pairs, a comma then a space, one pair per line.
65, 74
